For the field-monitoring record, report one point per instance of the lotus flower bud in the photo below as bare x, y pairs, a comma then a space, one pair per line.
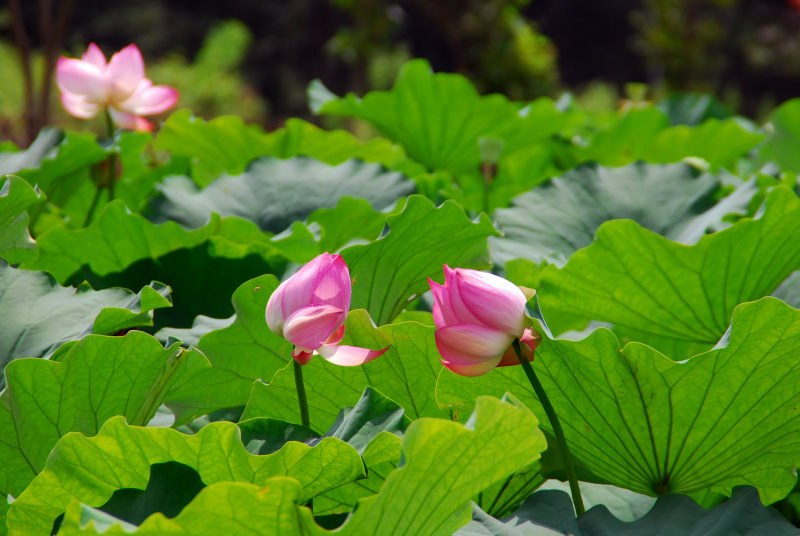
309, 310
89, 85
478, 315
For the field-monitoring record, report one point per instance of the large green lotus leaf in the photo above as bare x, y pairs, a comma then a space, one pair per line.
783, 143
629, 136
351, 219
373, 427
391, 271
205, 389
644, 133
120, 456
446, 464
720, 143
15, 160
224, 144
641, 421
428, 495
439, 118
98, 378
37, 315
691, 109
335, 147
16, 196
273, 193
662, 292
227, 145
123, 249
550, 513
406, 374
248, 346
556, 219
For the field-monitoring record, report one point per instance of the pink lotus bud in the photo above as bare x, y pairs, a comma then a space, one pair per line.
88, 85
478, 315
309, 310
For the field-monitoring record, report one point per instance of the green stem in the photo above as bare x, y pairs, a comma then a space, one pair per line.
301, 394
303, 401
112, 159
577, 500
93, 206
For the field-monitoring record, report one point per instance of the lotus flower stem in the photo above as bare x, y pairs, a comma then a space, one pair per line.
93, 206
112, 159
577, 500
301, 394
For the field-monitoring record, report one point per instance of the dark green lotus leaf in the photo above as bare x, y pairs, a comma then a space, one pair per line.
14, 161
191, 336
123, 249
625, 504
170, 488
646, 423
556, 219
550, 513
120, 456
37, 315
391, 271
691, 109
372, 415
273, 193
266, 436
17, 196
670, 295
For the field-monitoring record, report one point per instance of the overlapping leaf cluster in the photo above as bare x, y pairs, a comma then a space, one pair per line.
142, 391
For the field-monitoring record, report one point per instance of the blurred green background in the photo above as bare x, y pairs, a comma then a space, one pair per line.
255, 58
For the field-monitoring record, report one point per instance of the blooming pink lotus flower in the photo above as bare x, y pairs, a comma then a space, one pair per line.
90, 84
478, 315
309, 310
